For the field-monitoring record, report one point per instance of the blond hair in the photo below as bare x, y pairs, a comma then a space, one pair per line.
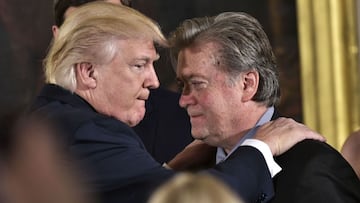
90, 34
194, 188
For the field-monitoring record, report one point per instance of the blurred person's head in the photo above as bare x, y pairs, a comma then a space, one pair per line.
7, 124
351, 150
37, 167
227, 71
62, 8
194, 188
105, 53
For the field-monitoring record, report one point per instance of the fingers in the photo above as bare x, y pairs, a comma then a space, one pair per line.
283, 133
195, 143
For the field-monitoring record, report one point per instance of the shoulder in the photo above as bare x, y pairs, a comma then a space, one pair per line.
319, 170
308, 148
317, 161
310, 156
83, 123
310, 152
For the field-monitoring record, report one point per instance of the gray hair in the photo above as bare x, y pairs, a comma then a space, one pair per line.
242, 46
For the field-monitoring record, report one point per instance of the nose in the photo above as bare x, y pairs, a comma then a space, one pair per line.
186, 100
152, 80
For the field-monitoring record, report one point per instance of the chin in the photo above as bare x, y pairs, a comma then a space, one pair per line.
197, 135
137, 119
200, 133
133, 124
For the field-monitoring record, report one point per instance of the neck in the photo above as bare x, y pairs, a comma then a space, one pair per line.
246, 124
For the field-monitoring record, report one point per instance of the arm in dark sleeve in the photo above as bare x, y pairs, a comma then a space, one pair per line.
118, 166
246, 172
123, 171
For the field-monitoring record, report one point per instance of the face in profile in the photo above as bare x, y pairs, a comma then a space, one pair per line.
123, 84
212, 102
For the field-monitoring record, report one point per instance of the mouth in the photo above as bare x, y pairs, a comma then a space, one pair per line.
144, 96
193, 112
194, 115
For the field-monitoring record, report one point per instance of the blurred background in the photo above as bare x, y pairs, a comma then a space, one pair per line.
316, 44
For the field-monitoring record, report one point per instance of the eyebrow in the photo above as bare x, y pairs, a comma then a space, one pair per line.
147, 59
188, 77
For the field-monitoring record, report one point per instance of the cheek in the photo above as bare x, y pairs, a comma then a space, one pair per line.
121, 97
205, 98
134, 86
216, 107
126, 90
209, 101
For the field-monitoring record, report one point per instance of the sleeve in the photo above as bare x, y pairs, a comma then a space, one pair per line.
274, 168
117, 164
246, 172
123, 171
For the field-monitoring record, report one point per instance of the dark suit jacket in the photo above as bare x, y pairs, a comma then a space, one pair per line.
165, 129
314, 172
116, 162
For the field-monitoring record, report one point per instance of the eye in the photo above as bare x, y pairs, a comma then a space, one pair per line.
139, 66
197, 84
180, 85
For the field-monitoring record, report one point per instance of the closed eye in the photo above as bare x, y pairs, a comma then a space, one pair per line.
139, 67
196, 84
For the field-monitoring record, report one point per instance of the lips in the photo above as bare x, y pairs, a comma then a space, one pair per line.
193, 111
194, 114
196, 120
144, 96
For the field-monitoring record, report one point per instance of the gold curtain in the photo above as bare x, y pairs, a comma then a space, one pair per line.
329, 57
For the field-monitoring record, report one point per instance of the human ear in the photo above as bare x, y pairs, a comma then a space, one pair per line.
55, 30
85, 75
250, 80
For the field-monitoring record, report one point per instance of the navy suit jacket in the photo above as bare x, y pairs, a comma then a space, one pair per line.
165, 129
314, 172
116, 162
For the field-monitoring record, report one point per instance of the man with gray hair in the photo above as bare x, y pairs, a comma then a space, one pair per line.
99, 71
227, 71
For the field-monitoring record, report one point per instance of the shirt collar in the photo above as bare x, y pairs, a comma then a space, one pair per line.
266, 117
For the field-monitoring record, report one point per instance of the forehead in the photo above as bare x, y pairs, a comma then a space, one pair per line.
197, 57
138, 48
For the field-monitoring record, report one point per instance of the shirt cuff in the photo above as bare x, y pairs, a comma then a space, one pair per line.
166, 166
273, 167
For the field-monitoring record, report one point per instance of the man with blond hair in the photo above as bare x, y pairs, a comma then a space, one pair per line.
99, 72
165, 129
